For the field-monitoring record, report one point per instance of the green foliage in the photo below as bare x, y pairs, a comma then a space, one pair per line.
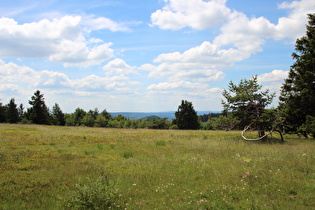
93, 194
186, 117
298, 91
101, 121
88, 120
38, 113
12, 112
222, 123
78, 116
309, 126
3, 111
58, 117
246, 100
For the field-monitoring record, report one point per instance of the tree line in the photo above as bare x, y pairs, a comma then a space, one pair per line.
39, 113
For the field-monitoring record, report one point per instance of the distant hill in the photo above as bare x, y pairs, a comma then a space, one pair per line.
150, 118
169, 115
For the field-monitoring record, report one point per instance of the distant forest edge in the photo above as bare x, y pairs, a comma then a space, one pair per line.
185, 118
169, 115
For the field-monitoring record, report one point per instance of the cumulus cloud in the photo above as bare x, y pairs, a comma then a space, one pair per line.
177, 85
60, 40
99, 23
197, 14
13, 76
240, 36
275, 75
119, 66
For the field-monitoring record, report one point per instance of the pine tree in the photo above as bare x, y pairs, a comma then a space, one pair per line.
38, 113
247, 101
58, 116
12, 112
297, 99
186, 116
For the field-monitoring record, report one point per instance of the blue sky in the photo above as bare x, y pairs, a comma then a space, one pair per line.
144, 56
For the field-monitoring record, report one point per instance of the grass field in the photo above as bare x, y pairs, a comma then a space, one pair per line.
63, 167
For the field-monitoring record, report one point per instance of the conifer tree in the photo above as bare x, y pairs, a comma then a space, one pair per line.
297, 99
12, 112
38, 113
186, 116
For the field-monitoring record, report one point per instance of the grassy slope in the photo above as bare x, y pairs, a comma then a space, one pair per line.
40, 166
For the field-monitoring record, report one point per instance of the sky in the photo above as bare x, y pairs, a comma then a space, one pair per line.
144, 56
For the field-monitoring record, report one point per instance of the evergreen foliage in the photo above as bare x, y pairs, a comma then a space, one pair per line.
12, 112
58, 116
297, 99
246, 101
38, 113
186, 117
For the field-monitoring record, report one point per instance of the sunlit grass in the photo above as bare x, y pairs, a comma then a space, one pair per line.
162, 169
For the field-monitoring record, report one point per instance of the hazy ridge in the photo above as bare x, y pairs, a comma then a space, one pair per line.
169, 114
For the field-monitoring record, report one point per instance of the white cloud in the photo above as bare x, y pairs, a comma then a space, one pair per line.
177, 85
61, 40
73, 53
275, 75
119, 66
197, 14
240, 37
25, 78
104, 23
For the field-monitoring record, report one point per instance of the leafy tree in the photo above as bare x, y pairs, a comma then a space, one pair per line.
88, 120
12, 112
58, 116
297, 97
246, 101
38, 113
78, 115
101, 121
186, 117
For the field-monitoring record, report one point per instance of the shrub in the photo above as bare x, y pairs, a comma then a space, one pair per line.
160, 143
94, 194
127, 155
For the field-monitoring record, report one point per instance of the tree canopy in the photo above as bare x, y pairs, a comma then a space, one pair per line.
297, 99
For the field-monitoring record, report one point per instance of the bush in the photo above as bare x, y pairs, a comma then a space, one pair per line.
94, 194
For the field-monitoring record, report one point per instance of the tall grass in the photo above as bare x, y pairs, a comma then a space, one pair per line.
45, 166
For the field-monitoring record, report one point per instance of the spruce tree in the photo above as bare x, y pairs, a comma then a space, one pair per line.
58, 116
186, 116
38, 113
297, 99
12, 112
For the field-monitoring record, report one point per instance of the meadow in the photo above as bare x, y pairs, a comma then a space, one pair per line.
71, 167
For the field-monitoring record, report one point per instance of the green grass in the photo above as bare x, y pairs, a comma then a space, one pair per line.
43, 166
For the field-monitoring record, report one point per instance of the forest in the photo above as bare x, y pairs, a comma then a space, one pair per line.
245, 105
